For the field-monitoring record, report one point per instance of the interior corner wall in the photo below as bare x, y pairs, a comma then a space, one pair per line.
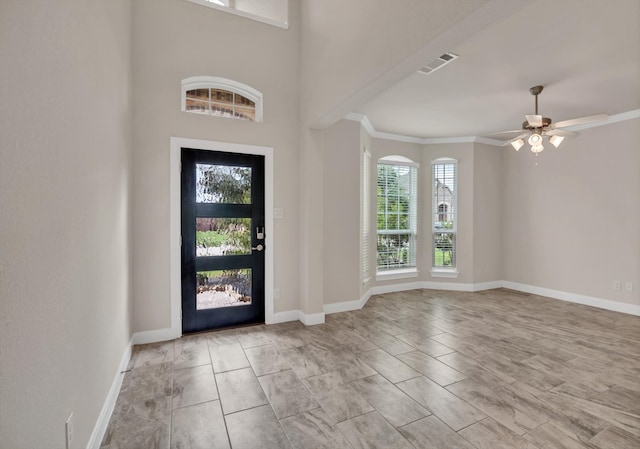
65, 168
571, 215
174, 40
487, 213
341, 214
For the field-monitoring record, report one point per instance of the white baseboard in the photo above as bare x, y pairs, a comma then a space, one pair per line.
606, 304
285, 317
460, 287
480, 286
382, 289
109, 404
154, 336
311, 318
347, 306
574, 297
298, 315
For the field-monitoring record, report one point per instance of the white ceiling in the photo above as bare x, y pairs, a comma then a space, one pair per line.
586, 54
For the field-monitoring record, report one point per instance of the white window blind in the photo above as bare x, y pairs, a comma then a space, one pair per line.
397, 222
444, 212
365, 195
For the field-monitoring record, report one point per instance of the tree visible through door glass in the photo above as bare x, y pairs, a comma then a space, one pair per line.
223, 184
222, 236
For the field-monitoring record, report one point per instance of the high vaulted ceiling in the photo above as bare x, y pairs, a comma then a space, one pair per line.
586, 54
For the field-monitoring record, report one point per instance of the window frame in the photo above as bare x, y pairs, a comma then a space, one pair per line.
437, 211
214, 82
365, 217
230, 8
410, 270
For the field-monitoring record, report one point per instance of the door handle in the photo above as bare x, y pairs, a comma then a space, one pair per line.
258, 248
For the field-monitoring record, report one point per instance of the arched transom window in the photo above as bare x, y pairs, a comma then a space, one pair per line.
221, 97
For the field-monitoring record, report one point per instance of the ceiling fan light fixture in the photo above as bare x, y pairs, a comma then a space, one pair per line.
517, 144
537, 148
535, 139
556, 140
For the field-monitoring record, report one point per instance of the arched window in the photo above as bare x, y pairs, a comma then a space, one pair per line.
397, 206
445, 214
221, 97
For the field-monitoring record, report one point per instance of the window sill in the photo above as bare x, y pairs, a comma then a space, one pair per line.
444, 272
403, 273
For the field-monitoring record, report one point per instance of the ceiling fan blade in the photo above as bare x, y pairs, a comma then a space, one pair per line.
581, 120
534, 120
505, 132
515, 138
560, 132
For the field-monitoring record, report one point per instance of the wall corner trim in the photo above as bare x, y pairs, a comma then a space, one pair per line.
110, 402
310, 319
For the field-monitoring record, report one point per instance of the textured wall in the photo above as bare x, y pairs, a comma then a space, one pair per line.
173, 40
571, 221
65, 147
487, 213
341, 214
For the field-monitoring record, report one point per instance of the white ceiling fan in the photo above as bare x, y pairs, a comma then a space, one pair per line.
538, 128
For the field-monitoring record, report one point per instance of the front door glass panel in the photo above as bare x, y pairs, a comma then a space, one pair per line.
223, 288
217, 236
223, 184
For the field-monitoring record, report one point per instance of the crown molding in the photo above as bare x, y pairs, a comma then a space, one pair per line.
368, 126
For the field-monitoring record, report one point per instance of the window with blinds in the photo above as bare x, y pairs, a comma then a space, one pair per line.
444, 212
397, 223
365, 194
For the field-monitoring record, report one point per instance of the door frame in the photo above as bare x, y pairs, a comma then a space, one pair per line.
175, 213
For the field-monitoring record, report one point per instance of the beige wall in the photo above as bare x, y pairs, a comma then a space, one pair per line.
487, 213
571, 222
173, 40
341, 214
65, 147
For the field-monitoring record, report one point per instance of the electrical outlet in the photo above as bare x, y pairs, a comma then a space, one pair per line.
616, 285
278, 212
68, 428
276, 293
628, 286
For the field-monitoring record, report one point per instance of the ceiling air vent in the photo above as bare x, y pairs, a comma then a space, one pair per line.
440, 62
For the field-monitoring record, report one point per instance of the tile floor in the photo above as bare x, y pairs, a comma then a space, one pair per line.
424, 369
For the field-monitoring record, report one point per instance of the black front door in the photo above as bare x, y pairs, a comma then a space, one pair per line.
222, 239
